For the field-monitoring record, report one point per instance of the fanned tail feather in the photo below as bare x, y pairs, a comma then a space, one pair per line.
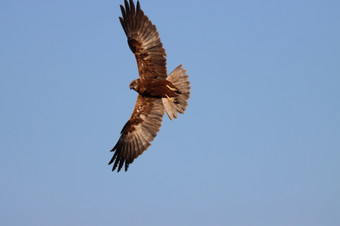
179, 79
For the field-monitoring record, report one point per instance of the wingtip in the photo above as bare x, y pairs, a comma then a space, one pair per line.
114, 148
120, 165
112, 159
113, 169
122, 10
126, 166
132, 6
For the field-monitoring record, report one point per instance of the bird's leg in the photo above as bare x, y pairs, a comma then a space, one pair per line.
172, 99
172, 89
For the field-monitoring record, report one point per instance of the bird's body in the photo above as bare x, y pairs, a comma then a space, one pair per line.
157, 92
157, 88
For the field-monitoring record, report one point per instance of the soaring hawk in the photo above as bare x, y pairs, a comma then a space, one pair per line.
157, 92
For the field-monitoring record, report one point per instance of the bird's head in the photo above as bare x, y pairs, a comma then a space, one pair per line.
134, 84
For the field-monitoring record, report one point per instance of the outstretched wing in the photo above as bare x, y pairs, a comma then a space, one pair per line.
144, 41
138, 132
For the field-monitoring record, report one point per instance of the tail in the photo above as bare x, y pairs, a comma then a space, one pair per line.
179, 79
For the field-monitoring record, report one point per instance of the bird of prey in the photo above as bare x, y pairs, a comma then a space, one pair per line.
157, 92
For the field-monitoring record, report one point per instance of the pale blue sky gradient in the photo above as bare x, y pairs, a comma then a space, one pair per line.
259, 144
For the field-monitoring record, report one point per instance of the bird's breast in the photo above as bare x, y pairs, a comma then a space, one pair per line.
157, 88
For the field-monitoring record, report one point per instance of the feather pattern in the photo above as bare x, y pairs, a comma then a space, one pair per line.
144, 41
138, 132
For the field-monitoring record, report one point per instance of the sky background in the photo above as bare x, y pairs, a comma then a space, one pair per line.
259, 144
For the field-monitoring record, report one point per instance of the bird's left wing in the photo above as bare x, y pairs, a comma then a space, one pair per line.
138, 132
144, 41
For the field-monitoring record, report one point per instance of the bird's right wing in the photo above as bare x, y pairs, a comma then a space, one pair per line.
138, 132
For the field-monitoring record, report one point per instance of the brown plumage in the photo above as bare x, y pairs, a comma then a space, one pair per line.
157, 92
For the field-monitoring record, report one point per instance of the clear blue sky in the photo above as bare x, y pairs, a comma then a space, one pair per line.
259, 144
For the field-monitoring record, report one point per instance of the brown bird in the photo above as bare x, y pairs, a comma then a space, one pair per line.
157, 92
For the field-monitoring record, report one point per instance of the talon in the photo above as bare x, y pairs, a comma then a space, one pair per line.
172, 89
172, 99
